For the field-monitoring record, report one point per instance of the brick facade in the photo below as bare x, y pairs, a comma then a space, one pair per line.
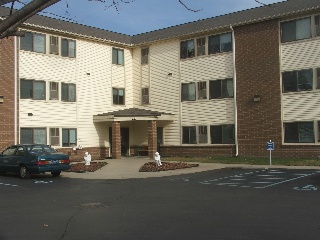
116, 140
258, 73
152, 138
7, 91
97, 153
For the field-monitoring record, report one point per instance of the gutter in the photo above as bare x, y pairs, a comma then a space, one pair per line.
15, 92
235, 91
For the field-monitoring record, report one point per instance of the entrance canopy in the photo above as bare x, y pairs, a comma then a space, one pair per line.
131, 114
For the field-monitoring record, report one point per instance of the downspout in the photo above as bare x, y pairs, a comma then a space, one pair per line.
235, 91
15, 92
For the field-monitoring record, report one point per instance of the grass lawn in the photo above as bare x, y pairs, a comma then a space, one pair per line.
247, 160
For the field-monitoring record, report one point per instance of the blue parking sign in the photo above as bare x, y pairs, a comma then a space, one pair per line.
270, 145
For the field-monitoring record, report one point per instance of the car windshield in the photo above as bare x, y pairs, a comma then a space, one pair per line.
40, 148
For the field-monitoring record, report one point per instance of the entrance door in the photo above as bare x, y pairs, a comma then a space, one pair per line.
124, 141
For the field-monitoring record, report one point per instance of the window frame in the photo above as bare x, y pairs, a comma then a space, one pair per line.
32, 45
294, 130
33, 135
54, 136
66, 95
222, 137
202, 90
145, 95
201, 46
185, 51
116, 100
115, 56
294, 32
185, 92
202, 134
192, 135
294, 81
32, 94
69, 143
69, 51
145, 55
222, 86
54, 92
219, 46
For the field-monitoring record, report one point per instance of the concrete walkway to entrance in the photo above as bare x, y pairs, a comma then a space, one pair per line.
128, 167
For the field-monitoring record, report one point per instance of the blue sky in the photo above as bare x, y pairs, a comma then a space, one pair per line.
141, 16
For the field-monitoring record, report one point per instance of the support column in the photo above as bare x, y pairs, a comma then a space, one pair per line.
116, 140
152, 138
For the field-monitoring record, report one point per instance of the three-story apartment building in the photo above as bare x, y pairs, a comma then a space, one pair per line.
222, 86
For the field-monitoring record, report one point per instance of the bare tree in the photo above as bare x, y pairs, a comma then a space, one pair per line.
8, 27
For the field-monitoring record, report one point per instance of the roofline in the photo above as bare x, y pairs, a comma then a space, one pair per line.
135, 40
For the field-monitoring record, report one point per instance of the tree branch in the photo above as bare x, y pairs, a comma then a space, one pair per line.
11, 23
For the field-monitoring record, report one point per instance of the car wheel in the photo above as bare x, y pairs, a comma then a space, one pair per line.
24, 173
55, 174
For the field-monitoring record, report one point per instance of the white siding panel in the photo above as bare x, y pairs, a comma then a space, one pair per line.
301, 106
301, 55
217, 66
219, 111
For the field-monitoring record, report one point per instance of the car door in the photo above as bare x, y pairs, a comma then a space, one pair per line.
17, 158
6, 159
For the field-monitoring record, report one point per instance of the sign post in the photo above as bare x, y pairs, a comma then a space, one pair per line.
270, 147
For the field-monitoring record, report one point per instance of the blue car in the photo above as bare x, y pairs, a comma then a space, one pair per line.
27, 159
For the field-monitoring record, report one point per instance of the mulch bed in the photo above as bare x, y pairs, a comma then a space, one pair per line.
81, 167
152, 167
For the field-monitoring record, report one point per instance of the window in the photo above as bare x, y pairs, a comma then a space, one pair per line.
33, 136
145, 95
118, 96
297, 81
160, 135
188, 92
220, 43
202, 134
34, 42
221, 88
69, 137
54, 136
117, 56
299, 132
144, 55
202, 90
201, 46
296, 30
54, 90
9, 151
68, 48
68, 92
317, 25
187, 49
223, 134
189, 135
30, 89
54, 45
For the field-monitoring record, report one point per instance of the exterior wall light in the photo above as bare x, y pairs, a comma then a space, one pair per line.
1, 99
256, 98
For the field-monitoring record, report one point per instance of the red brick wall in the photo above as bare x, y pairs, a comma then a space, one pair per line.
116, 140
7, 91
258, 72
152, 138
97, 153
197, 151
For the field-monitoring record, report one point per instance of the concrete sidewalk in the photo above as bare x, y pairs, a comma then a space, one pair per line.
128, 167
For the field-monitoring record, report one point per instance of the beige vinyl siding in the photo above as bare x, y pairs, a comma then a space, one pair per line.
94, 76
304, 105
300, 55
216, 66
207, 111
210, 112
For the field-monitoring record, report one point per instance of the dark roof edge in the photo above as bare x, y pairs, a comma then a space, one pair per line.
240, 18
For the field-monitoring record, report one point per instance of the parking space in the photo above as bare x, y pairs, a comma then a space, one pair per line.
264, 178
